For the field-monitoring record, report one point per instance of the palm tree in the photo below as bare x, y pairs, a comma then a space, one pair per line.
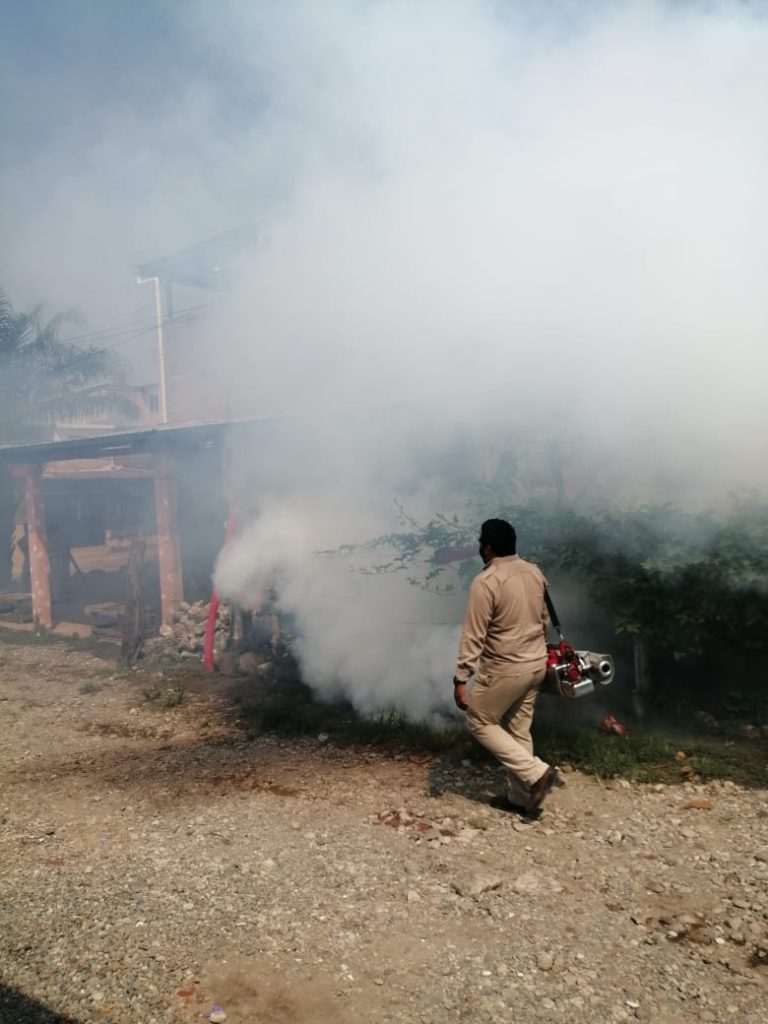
44, 380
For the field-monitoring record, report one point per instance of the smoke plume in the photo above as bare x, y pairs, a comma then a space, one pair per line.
476, 220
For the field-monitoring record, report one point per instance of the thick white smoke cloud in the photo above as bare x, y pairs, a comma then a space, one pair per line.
547, 215
565, 218
451, 192
564, 226
374, 638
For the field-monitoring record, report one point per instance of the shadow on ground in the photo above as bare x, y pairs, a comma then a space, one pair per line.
16, 1007
479, 782
183, 770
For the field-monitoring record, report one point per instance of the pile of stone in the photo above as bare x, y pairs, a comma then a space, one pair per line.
186, 639
190, 624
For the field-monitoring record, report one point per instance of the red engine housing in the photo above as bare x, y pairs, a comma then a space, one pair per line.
563, 657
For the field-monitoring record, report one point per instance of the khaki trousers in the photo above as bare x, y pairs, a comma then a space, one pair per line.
499, 716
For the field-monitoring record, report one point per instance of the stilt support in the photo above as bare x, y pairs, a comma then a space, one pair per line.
39, 564
168, 553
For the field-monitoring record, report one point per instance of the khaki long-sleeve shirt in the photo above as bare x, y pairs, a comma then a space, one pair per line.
506, 618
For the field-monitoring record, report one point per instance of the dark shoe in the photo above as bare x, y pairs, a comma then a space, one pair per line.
503, 803
539, 790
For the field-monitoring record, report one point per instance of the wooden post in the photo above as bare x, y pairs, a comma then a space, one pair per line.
168, 554
39, 565
133, 617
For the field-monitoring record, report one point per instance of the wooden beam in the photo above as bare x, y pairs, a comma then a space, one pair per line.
39, 564
168, 553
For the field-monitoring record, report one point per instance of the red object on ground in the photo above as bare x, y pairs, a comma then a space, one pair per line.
612, 725
210, 626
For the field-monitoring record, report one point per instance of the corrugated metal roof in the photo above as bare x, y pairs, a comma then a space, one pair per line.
202, 265
133, 442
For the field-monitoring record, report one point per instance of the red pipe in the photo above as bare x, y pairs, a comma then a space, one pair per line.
210, 626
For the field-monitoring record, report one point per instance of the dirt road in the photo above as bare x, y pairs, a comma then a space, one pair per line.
156, 864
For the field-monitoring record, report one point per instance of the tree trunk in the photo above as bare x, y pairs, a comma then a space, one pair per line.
642, 678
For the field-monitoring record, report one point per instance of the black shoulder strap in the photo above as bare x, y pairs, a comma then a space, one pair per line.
552, 613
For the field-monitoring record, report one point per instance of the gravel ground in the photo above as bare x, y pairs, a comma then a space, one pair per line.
155, 864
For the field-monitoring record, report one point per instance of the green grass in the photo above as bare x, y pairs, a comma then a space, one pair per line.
298, 714
90, 688
644, 756
166, 696
392, 727
640, 758
651, 756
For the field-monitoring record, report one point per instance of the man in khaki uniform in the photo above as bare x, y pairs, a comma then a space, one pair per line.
505, 628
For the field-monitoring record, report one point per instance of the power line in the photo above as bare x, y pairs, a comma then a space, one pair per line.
114, 332
149, 329
124, 334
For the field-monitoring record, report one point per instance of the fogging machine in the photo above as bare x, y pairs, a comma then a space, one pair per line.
572, 673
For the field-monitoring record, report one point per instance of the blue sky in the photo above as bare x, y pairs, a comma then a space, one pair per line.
54, 55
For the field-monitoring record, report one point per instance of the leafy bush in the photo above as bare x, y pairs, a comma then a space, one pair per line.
690, 591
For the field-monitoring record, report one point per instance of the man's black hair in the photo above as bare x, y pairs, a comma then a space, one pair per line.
500, 537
